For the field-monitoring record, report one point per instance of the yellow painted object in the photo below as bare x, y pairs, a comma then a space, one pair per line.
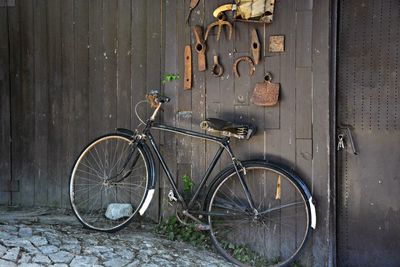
252, 10
278, 188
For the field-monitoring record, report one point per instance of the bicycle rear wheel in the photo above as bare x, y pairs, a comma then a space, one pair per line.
108, 183
271, 236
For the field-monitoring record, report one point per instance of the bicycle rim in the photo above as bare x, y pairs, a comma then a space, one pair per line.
275, 235
108, 183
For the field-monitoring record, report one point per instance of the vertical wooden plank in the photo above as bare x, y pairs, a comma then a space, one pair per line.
79, 99
272, 114
110, 63
288, 97
41, 101
184, 114
16, 107
5, 114
321, 133
138, 62
287, 112
123, 64
212, 83
57, 167
96, 64
304, 157
198, 97
303, 103
68, 78
153, 68
170, 109
303, 38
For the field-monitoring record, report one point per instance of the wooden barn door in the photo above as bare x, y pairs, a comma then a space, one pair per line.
369, 111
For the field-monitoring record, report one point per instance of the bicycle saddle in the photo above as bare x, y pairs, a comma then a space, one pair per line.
227, 128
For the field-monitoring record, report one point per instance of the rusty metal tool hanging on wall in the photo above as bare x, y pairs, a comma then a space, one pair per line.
200, 48
217, 70
266, 93
248, 60
220, 23
192, 5
255, 46
187, 83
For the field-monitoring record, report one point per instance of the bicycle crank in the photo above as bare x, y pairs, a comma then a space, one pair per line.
199, 225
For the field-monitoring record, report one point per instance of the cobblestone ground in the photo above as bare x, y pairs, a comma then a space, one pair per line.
57, 240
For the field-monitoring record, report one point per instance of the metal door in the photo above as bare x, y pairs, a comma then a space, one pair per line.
369, 105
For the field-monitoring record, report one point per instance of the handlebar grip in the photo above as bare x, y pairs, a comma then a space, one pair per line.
162, 99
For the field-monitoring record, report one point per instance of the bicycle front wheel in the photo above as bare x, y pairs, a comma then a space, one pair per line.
108, 183
270, 235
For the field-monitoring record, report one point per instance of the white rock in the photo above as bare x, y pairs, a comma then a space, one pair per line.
116, 211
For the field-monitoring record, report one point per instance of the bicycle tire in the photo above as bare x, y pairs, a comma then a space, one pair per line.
274, 237
104, 178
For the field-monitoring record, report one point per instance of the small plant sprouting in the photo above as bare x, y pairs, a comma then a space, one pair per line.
168, 77
187, 183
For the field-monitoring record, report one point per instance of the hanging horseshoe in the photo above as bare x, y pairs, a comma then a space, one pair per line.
248, 60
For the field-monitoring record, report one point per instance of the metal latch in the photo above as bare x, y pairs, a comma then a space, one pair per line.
344, 135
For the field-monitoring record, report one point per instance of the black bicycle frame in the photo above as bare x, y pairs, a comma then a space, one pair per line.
224, 145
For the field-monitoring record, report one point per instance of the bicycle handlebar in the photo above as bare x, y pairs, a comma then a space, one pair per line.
154, 98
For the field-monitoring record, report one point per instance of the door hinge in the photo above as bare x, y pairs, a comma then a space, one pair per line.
9, 186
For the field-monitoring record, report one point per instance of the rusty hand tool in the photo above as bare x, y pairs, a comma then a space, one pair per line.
192, 5
187, 83
255, 46
248, 60
200, 48
220, 23
217, 69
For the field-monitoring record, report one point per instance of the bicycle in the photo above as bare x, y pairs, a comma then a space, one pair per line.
258, 213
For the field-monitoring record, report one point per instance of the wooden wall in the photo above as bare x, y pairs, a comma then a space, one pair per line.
295, 132
79, 67
77, 70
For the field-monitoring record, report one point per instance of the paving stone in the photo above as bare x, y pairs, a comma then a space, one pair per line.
25, 258
38, 241
20, 242
3, 250
73, 248
59, 265
70, 240
25, 232
4, 263
61, 257
40, 258
108, 255
11, 254
9, 228
115, 262
30, 265
97, 249
83, 261
5, 236
126, 254
48, 249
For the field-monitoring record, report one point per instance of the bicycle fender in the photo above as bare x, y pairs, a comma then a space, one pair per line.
284, 170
